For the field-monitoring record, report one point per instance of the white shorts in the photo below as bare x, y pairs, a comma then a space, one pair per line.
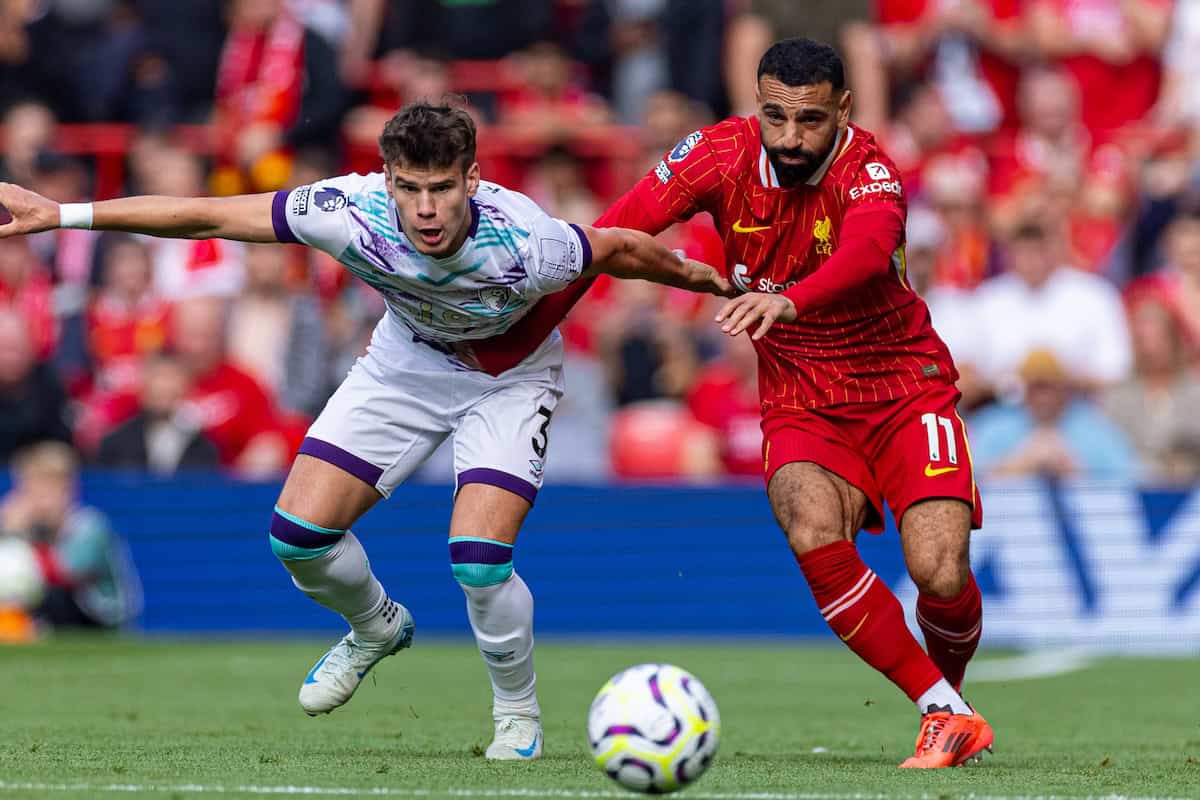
404, 397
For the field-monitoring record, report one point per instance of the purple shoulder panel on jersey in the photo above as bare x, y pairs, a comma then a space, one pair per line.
283, 231
587, 246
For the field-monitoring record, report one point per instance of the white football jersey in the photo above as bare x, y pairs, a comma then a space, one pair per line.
515, 254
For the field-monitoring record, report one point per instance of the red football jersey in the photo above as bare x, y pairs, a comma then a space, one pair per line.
876, 346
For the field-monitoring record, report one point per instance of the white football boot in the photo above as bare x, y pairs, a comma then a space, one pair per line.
517, 739
332, 681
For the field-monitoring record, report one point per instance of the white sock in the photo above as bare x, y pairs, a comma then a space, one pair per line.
342, 581
942, 695
502, 618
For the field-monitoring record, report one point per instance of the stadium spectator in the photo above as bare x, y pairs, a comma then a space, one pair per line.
920, 131
29, 128
557, 184
1051, 138
184, 268
644, 46
33, 406
275, 91
647, 353
1179, 278
1051, 433
1103, 44
188, 36
400, 76
277, 336
478, 30
30, 62
70, 258
666, 118
1038, 303
127, 76
725, 398
91, 580
954, 185
127, 319
969, 49
950, 307
551, 106
754, 24
163, 437
233, 410
1156, 407
26, 290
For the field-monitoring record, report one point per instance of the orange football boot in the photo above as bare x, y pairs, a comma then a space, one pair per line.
949, 740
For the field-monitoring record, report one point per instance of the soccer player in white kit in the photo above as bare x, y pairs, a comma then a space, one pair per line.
457, 259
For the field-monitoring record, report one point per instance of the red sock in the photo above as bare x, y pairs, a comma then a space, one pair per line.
952, 629
865, 614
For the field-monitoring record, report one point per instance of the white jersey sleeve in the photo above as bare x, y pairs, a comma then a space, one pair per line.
318, 214
559, 253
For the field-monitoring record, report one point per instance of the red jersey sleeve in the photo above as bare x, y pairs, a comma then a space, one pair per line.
871, 231
685, 181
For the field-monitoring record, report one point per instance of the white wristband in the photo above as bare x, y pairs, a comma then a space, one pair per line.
75, 215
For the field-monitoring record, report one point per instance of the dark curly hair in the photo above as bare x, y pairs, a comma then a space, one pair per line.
429, 136
803, 62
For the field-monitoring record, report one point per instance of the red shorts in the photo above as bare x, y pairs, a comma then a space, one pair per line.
902, 451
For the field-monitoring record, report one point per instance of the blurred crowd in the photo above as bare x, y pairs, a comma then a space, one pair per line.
1048, 149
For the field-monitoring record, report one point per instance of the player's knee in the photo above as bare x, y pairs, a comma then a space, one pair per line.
296, 539
479, 563
940, 575
808, 531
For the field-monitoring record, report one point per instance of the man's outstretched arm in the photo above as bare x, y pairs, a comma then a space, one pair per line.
501, 353
245, 218
633, 255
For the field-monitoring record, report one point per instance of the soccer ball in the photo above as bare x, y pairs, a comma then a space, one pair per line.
21, 581
653, 728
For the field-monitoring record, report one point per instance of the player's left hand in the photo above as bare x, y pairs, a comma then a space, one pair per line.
742, 312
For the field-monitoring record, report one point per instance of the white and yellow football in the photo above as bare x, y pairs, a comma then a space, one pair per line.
654, 728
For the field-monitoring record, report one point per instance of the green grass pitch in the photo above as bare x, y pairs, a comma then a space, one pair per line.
112, 718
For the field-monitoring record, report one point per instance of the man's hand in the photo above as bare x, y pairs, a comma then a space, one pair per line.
31, 213
742, 312
706, 280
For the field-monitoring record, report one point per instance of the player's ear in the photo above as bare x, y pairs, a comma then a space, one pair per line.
844, 104
473, 179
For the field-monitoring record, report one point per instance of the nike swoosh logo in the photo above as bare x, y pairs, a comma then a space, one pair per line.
312, 672
738, 227
450, 277
527, 752
850, 635
930, 472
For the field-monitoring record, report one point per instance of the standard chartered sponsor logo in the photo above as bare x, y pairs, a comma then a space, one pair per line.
741, 279
740, 273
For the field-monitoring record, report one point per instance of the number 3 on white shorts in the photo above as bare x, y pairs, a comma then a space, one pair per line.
934, 425
539, 448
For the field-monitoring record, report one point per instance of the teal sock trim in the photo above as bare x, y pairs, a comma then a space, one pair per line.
290, 552
481, 575
479, 539
306, 524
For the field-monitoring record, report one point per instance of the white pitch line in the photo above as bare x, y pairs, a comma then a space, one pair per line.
1030, 666
563, 794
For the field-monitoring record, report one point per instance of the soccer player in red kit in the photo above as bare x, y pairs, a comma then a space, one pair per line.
857, 391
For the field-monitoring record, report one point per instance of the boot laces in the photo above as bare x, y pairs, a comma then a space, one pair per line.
930, 732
